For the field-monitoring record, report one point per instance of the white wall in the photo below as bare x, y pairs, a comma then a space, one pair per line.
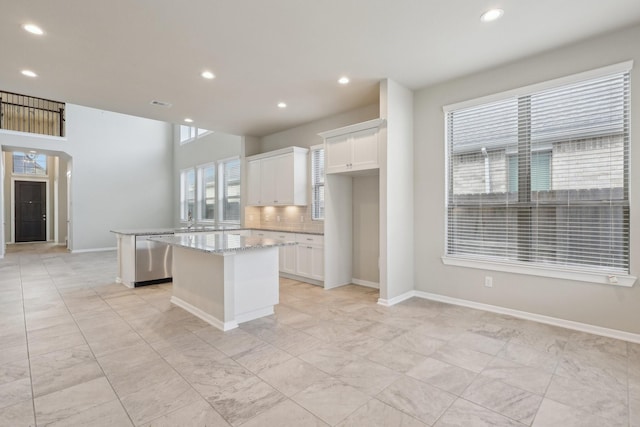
307, 134
600, 305
121, 175
366, 223
396, 192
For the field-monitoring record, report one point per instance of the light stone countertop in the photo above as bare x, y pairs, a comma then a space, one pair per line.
199, 229
160, 231
220, 243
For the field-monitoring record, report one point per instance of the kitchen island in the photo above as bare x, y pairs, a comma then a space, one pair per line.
142, 261
224, 279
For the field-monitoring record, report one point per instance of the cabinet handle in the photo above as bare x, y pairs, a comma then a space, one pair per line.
309, 247
311, 240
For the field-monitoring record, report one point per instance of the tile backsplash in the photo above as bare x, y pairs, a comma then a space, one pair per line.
285, 218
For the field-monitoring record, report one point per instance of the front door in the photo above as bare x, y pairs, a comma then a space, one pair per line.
31, 211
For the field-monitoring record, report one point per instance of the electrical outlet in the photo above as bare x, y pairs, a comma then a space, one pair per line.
301, 218
278, 218
488, 281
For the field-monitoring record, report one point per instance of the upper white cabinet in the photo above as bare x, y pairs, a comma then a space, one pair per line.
352, 148
278, 178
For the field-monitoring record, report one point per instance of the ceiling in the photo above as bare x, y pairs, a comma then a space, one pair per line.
119, 55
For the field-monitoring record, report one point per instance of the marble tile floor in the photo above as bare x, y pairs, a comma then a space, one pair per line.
77, 349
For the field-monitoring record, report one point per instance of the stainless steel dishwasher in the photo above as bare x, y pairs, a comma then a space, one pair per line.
153, 261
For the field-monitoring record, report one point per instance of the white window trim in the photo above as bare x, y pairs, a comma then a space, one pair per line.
562, 272
538, 87
220, 194
199, 179
184, 219
581, 275
311, 150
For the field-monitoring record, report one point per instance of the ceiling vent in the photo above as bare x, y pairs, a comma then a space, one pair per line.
161, 103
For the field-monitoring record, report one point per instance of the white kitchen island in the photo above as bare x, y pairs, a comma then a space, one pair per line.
225, 279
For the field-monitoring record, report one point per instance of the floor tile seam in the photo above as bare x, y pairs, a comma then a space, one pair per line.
624, 385
499, 413
176, 371
591, 413
511, 385
332, 378
24, 314
95, 358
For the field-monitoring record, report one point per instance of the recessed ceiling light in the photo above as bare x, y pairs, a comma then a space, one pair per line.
282, 105
29, 73
343, 80
188, 120
33, 29
491, 15
208, 75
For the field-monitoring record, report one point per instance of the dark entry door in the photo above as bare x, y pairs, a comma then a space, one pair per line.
31, 211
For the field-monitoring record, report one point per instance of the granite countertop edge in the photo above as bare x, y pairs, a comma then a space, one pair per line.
171, 231
255, 243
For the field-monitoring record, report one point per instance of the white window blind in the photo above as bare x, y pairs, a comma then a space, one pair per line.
542, 179
317, 183
230, 170
207, 192
187, 194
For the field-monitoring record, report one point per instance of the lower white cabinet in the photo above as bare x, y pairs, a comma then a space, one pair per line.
306, 259
310, 254
287, 253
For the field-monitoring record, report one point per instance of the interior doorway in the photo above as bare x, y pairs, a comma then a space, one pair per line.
30, 211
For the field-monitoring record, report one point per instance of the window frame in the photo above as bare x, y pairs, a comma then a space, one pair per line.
201, 195
222, 190
315, 186
194, 133
184, 201
554, 271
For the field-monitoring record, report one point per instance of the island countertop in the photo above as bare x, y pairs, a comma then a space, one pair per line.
220, 243
160, 231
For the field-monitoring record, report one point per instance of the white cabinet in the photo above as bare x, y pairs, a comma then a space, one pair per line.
278, 178
353, 148
310, 256
306, 259
287, 253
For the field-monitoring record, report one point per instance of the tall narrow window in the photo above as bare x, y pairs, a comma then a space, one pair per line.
230, 171
317, 182
187, 194
207, 192
542, 178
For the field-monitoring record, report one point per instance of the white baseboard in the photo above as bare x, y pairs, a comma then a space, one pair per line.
396, 300
366, 283
255, 314
223, 326
301, 279
563, 323
81, 251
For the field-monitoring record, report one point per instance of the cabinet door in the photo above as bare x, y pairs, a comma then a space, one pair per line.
303, 261
337, 153
268, 172
289, 260
254, 187
364, 149
284, 179
317, 263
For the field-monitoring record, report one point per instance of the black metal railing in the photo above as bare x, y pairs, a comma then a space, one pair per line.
24, 113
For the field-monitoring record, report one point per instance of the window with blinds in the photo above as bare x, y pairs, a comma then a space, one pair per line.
207, 192
317, 183
187, 194
230, 170
542, 178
